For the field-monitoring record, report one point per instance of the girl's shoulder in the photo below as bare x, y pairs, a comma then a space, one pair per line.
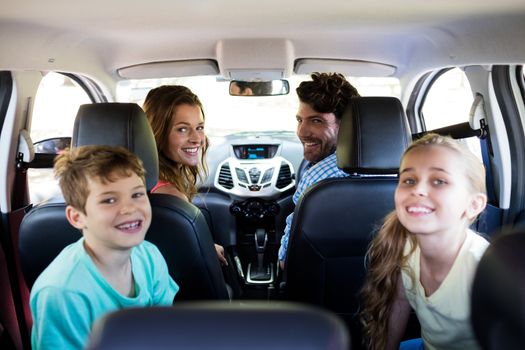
476, 239
476, 244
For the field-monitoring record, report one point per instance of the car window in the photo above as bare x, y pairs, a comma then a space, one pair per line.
448, 102
56, 104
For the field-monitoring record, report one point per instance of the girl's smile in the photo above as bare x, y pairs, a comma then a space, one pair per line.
433, 193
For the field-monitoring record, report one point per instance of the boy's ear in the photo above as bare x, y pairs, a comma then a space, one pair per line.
75, 217
478, 202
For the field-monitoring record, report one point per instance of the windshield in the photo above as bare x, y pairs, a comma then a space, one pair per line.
226, 115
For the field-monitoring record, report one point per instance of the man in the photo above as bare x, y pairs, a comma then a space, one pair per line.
322, 102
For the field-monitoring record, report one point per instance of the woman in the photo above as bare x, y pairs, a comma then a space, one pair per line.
177, 119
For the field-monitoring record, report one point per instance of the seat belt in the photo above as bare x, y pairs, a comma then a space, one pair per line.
478, 120
25, 154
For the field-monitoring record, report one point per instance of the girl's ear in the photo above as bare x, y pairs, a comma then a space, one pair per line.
75, 217
477, 203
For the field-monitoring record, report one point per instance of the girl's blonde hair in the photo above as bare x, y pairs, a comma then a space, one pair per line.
160, 106
385, 257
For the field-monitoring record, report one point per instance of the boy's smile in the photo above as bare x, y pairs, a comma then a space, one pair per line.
117, 214
130, 227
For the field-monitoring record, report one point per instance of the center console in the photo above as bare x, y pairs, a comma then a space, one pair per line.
257, 241
259, 183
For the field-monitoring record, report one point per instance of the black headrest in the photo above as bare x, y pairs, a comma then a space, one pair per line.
498, 293
209, 325
373, 136
118, 124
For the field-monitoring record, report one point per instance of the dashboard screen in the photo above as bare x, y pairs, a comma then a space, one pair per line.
255, 151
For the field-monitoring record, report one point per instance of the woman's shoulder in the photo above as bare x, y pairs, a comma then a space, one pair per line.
168, 188
160, 184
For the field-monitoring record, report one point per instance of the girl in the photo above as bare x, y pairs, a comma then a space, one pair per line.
177, 119
425, 255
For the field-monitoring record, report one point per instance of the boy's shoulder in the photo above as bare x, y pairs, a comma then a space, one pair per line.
63, 270
146, 247
147, 251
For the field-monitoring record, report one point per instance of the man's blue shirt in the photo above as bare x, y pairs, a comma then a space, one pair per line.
326, 168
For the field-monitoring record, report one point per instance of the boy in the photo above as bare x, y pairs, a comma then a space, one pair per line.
111, 266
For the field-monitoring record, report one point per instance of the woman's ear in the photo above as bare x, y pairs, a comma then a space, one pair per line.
478, 202
75, 217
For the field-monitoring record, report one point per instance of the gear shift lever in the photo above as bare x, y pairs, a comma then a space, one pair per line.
261, 273
261, 238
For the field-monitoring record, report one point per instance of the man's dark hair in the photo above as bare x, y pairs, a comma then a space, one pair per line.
327, 93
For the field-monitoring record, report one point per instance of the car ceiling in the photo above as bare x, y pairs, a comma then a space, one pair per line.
98, 37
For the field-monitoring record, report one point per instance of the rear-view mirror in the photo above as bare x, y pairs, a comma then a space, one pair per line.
259, 88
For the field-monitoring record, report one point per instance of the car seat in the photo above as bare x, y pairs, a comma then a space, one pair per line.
178, 228
208, 325
335, 219
498, 293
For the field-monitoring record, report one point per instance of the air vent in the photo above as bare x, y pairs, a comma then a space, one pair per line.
225, 176
285, 176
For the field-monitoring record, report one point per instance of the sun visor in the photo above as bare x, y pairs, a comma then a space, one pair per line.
255, 59
25, 146
184, 68
477, 112
356, 68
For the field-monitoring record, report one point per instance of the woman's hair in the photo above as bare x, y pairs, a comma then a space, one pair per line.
73, 168
327, 93
160, 106
386, 256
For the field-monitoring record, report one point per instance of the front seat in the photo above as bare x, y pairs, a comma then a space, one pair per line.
498, 293
212, 325
178, 228
334, 220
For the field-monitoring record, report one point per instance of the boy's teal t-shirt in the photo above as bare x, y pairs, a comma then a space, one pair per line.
71, 294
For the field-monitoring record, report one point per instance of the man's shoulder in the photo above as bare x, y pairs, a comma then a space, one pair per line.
326, 168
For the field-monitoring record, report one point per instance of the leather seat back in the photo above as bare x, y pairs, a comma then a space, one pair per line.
335, 219
498, 293
208, 326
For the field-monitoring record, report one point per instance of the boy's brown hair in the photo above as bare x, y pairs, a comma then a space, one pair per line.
106, 164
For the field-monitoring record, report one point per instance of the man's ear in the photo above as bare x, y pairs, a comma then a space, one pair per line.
75, 217
478, 202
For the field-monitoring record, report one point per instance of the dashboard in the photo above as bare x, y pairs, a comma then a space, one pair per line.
248, 165
255, 170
